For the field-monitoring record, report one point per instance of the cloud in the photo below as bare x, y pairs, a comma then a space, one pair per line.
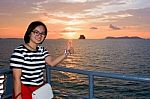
41, 2
94, 28
74, 1
114, 27
61, 31
5, 14
78, 1
73, 28
4, 28
66, 31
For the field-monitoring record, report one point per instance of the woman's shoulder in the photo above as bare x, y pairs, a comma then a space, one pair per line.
40, 47
43, 49
20, 48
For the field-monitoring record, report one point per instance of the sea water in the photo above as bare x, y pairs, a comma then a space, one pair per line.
125, 56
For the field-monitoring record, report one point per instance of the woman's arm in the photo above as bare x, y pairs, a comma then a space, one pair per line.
67, 52
51, 62
17, 82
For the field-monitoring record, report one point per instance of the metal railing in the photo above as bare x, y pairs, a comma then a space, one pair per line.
9, 83
91, 75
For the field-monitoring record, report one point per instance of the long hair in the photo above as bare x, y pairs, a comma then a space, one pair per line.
31, 27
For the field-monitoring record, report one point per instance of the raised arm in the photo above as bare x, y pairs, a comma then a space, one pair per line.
69, 50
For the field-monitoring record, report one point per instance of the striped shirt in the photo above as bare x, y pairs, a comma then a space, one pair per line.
32, 64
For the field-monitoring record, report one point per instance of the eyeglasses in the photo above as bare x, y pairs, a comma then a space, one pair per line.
37, 33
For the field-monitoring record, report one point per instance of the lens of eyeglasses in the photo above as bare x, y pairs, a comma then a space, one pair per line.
37, 33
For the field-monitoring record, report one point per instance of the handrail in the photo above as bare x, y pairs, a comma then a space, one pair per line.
103, 74
4, 70
91, 74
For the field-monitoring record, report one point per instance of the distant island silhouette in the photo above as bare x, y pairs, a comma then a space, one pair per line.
82, 37
124, 37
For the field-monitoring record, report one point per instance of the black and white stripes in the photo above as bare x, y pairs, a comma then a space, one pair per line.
32, 64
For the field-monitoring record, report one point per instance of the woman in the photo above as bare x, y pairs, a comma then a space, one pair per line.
29, 59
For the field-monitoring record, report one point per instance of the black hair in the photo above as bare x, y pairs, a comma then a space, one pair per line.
31, 27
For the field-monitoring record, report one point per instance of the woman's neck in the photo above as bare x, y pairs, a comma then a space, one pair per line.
31, 46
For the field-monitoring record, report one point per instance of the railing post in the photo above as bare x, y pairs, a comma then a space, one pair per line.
91, 84
9, 86
48, 74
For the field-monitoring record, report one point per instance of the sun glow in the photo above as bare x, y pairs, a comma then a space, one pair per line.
70, 35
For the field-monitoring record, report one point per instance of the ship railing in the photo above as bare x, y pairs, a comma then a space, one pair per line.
8, 88
91, 75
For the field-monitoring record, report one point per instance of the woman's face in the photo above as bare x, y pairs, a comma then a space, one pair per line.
38, 35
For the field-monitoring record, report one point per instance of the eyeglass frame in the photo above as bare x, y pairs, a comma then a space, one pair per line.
37, 33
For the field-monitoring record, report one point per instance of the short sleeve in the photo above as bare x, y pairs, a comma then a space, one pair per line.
45, 52
17, 59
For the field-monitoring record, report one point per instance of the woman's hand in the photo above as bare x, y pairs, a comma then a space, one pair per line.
70, 48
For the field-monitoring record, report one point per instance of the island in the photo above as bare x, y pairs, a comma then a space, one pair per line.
82, 37
124, 37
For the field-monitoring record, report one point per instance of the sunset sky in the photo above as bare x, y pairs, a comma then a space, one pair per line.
96, 19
